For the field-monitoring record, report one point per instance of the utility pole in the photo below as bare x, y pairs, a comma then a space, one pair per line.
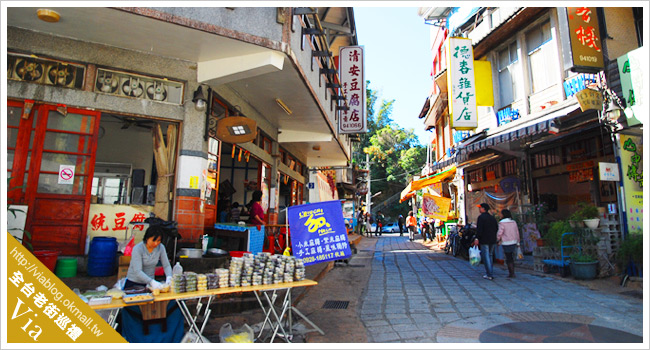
368, 195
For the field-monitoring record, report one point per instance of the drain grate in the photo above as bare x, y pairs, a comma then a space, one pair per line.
355, 265
335, 304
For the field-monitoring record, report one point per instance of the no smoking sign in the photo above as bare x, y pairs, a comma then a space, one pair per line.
66, 174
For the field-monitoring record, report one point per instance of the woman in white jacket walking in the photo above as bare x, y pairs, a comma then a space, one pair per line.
508, 238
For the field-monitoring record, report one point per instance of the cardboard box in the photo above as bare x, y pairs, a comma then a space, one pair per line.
125, 260
122, 271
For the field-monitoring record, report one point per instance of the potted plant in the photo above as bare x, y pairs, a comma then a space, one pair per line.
584, 266
587, 213
584, 260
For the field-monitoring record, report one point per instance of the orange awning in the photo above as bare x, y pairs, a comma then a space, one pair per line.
415, 185
406, 193
430, 180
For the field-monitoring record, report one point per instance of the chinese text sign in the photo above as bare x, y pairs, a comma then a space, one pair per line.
585, 38
318, 232
461, 84
353, 86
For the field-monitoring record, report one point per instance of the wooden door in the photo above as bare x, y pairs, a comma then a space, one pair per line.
60, 177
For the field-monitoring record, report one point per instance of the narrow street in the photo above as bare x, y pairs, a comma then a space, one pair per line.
408, 293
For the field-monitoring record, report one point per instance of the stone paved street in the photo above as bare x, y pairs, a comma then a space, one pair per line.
418, 295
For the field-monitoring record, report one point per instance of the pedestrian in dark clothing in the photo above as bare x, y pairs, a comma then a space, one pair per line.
380, 223
486, 236
400, 223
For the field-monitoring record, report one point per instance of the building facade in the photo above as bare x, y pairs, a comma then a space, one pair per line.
115, 113
537, 140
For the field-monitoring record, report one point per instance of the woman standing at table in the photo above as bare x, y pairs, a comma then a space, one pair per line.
256, 211
144, 258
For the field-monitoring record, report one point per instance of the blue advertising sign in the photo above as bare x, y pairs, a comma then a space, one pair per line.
318, 232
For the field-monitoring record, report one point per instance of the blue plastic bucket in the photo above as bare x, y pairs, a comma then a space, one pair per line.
101, 256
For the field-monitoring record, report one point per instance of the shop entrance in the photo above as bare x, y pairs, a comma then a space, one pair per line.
50, 163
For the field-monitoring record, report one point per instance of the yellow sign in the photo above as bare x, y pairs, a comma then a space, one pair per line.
590, 99
435, 207
42, 309
194, 182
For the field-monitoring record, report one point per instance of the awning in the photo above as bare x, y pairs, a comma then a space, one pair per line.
522, 129
415, 185
430, 180
406, 193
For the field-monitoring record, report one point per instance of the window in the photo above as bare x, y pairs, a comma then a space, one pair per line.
507, 64
542, 57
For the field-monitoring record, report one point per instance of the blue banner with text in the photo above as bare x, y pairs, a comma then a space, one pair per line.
318, 232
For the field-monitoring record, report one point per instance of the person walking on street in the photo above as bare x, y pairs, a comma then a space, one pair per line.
380, 223
411, 225
400, 223
508, 238
486, 236
368, 224
360, 223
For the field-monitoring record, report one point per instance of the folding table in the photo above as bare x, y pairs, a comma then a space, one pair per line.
267, 295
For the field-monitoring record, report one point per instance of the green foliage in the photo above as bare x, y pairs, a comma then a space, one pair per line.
582, 257
554, 234
584, 211
631, 249
395, 153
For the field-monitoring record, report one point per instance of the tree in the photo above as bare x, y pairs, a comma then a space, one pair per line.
395, 153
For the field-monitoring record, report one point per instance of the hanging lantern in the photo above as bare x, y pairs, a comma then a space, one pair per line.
233, 151
247, 155
239, 156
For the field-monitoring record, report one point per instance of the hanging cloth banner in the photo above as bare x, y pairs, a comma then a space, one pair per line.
318, 232
435, 207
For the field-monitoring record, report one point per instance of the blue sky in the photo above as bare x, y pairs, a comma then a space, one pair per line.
398, 60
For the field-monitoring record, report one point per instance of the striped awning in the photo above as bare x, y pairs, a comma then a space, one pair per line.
533, 127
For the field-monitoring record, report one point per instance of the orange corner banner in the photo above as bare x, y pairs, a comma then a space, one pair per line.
435, 207
42, 309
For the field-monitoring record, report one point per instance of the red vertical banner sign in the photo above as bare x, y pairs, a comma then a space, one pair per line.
353, 86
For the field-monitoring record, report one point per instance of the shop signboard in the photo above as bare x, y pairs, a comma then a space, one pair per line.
586, 51
112, 220
590, 99
353, 86
318, 232
631, 68
632, 169
461, 84
608, 171
435, 207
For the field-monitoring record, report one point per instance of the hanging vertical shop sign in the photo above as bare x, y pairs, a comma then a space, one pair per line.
586, 53
353, 85
318, 232
632, 166
461, 84
631, 68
